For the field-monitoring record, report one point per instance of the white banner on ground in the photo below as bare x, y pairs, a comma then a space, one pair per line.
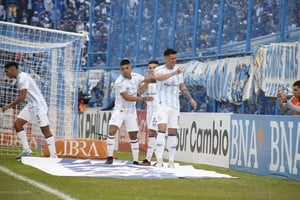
119, 169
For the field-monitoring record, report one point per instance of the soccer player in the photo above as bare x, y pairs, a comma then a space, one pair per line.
169, 81
126, 87
150, 89
35, 109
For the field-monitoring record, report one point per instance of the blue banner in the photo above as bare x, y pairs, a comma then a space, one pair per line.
266, 145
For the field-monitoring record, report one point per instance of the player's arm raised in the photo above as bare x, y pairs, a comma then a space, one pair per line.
162, 77
129, 97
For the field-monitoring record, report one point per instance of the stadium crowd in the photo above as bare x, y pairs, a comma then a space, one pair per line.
75, 16
265, 21
67, 15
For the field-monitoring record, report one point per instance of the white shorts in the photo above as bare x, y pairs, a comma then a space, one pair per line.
34, 113
151, 118
128, 117
169, 116
152, 122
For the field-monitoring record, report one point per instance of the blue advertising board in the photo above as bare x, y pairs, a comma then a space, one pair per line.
266, 145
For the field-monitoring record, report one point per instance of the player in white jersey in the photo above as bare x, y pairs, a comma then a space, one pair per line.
150, 89
126, 87
35, 109
169, 82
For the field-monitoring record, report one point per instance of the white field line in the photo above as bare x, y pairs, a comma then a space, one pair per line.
36, 184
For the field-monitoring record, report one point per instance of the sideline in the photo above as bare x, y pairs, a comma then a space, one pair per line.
36, 184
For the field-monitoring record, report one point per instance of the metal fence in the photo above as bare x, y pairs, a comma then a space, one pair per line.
142, 29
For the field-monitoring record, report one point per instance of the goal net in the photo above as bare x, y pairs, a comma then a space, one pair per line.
53, 59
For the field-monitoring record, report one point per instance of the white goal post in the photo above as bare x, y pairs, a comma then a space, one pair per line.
53, 58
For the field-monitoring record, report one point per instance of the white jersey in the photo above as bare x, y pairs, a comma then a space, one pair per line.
130, 86
34, 95
151, 91
168, 90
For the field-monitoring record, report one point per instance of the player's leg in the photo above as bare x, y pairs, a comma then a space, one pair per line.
40, 116
22, 136
114, 124
23, 117
134, 144
132, 127
151, 146
171, 145
50, 140
172, 140
151, 133
112, 130
162, 116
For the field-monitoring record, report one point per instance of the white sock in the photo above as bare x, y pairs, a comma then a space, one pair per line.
23, 139
51, 146
171, 144
160, 145
151, 147
135, 149
110, 145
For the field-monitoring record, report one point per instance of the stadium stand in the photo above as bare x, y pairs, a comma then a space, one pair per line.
142, 29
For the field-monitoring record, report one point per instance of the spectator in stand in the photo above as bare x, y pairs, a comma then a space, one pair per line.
82, 100
99, 64
82, 12
80, 27
290, 106
2, 13
38, 6
12, 8
48, 5
61, 6
35, 19
62, 25
96, 95
46, 23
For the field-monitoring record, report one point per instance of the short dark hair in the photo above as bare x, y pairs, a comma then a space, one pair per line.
153, 62
296, 83
11, 64
124, 61
169, 51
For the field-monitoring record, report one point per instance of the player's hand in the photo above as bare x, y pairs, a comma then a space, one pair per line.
5, 108
147, 79
148, 98
281, 96
179, 70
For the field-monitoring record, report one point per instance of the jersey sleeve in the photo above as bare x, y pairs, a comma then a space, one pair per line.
119, 87
181, 78
23, 83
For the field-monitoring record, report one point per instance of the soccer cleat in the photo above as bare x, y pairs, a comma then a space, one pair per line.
109, 160
135, 163
146, 162
171, 164
159, 163
24, 153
